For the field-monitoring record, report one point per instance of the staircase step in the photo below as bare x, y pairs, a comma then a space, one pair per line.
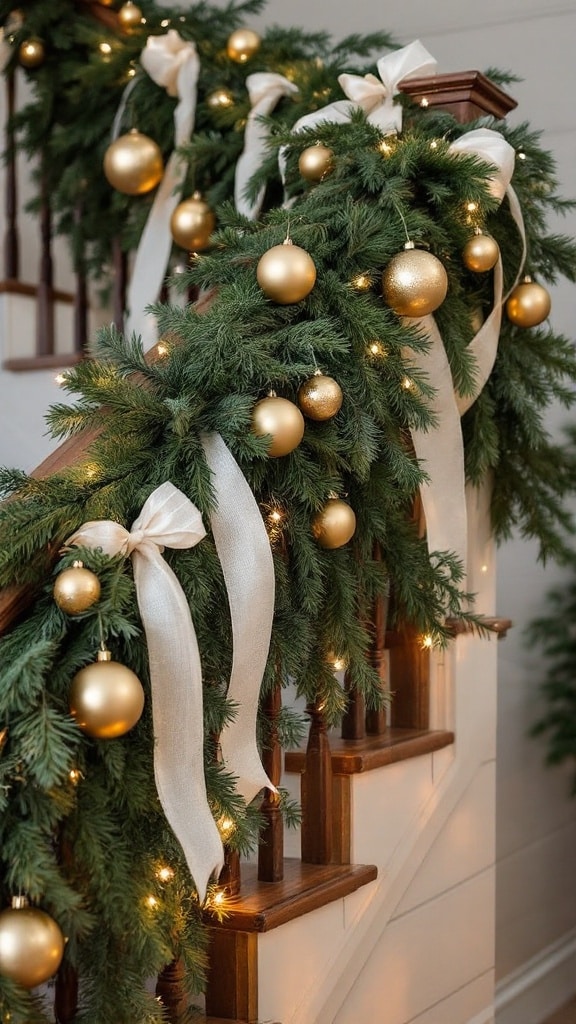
352, 757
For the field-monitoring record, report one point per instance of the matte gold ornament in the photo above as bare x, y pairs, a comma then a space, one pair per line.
529, 304
316, 162
106, 698
133, 163
242, 44
192, 223
320, 398
282, 420
414, 283
286, 273
130, 15
31, 944
31, 53
481, 253
76, 589
334, 525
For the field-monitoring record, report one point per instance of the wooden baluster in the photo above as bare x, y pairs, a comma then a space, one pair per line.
376, 719
410, 679
81, 295
229, 877
66, 994
353, 719
271, 846
120, 279
11, 241
45, 297
317, 792
171, 992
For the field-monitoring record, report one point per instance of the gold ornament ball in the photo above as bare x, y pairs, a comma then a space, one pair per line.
31, 53
282, 420
106, 698
133, 163
414, 283
320, 398
528, 305
192, 223
31, 946
286, 273
242, 44
129, 15
481, 253
76, 589
334, 525
315, 162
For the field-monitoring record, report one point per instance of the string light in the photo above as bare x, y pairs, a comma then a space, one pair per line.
376, 349
424, 102
152, 902
165, 874
75, 775
337, 661
408, 384
521, 155
131, 72
165, 23
361, 282
105, 49
60, 378
434, 144
226, 827
385, 148
472, 207
427, 642
162, 348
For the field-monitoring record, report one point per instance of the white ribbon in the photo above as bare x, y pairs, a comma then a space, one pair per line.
172, 63
245, 555
375, 96
169, 519
265, 89
440, 450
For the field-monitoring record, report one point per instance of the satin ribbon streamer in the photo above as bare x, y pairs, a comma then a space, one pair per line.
265, 89
441, 450
173, 64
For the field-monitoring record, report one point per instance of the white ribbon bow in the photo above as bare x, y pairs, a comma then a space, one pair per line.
173, 64
265, 89
441, 450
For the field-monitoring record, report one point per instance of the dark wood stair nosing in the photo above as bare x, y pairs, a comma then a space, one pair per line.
354, 757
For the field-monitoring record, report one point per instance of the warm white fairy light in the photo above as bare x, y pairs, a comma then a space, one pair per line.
376, 349
361, 282
472, 207
105, 48
427, 641
424, 102
165, 874
484, 568
131, 72
60, 378
162, 348
164, 23
152, 902
434, 144
521, 155
408, 384
384, 147
75, 775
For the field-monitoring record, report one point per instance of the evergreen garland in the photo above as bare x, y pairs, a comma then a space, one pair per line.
89, 847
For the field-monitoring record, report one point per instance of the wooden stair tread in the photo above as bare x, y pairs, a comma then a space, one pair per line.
353, 757
262, 906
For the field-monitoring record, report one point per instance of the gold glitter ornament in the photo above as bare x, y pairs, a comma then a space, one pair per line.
334, 525
31, 944
106, 698
315, 162
192, 223
76, 589
31, 53
481, 253
133, 163
529, 304
320, 397
242, 44
286, 273
282, 420
414, 283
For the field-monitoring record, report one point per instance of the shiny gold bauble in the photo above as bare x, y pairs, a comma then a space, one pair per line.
282, 420
528, 305
129, 15
414, 283
106, 698
220, 99
320, 397
286, 273
76, 589
133, 163
31, 945
481, 253
31, 53
192, 223
315, 162
242, 44
334, 525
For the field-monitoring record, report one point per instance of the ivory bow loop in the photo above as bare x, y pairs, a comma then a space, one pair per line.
169, 519
372, 95
173, 64
265, 89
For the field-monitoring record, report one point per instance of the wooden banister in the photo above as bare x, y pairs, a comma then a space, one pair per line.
11, 240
